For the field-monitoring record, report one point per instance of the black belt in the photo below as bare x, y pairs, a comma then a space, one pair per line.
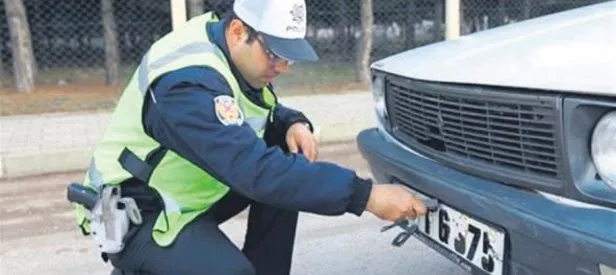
148, 200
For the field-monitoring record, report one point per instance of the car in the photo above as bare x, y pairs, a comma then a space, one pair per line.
512, 131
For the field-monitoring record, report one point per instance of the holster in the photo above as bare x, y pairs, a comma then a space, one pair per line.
110, 219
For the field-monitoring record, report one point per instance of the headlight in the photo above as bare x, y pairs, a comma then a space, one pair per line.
378, 93
603, 148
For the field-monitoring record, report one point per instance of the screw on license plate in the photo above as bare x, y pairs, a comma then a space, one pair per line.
431, 204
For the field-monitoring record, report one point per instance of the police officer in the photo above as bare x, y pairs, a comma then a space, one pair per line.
198, 136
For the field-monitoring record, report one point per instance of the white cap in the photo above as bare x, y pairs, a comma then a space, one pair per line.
282, 24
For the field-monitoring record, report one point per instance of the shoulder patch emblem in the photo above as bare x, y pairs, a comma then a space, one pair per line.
227, 110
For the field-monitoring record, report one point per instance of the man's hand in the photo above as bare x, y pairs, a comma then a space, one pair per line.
393, 202
299, 137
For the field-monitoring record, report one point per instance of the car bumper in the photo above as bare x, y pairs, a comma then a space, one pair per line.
542, 236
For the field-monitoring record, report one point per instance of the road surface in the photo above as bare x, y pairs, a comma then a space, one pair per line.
38, 234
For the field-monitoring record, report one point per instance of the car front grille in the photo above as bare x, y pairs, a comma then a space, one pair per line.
483, 128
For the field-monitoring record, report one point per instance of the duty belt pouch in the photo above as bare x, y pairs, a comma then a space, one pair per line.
110, 219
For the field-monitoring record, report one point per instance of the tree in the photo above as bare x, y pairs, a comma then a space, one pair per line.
526, 9
1, 62
195, 7
24, 65
112, 55
365, 44
411, 16
439, 17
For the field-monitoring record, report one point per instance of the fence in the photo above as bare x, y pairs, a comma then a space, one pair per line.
68, 36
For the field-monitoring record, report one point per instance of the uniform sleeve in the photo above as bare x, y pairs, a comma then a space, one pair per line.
183, 120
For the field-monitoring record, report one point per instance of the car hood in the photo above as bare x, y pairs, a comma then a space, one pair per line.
573, 51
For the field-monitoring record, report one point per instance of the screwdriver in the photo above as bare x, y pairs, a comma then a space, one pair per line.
409, 230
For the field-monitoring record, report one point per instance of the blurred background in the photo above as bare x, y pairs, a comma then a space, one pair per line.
88, 46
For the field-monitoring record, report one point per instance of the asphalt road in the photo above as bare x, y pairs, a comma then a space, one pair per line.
38, 234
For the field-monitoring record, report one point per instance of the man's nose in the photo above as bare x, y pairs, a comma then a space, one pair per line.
281, 67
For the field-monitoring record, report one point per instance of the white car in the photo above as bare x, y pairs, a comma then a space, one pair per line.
513, 132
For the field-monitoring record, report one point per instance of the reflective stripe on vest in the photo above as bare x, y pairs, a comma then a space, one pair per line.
188, 49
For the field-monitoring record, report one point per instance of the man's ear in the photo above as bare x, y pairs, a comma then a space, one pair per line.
236, 32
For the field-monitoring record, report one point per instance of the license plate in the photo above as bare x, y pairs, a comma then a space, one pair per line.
477, 243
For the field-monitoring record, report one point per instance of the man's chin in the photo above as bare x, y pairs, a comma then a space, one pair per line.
265, 81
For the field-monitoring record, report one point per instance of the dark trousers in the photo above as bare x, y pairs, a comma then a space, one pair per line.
202, 248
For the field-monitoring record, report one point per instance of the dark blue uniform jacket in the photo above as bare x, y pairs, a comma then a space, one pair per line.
182, 118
